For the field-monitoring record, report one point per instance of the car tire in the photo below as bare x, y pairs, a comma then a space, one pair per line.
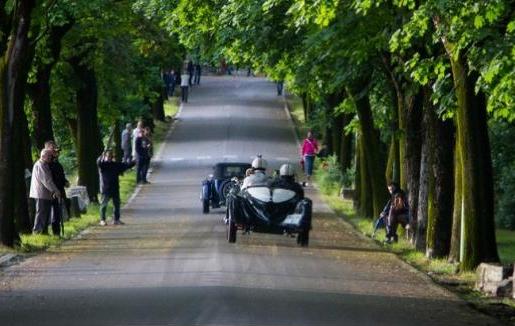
303, 238
205, 206
231, 230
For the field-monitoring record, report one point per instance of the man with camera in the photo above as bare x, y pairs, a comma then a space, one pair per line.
110, 171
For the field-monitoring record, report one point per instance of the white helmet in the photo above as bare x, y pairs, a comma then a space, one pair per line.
287, 170
259, 163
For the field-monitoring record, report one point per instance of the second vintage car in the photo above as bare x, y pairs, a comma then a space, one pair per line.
217, 186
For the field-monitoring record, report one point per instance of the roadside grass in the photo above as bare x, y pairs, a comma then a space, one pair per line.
506, 245
171, 106
72, 227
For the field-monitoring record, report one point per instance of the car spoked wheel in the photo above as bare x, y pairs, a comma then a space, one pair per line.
205, 206
231, 229
303, 238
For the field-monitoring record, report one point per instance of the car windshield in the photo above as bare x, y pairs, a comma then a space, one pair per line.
282, 195
233, 171
260, 193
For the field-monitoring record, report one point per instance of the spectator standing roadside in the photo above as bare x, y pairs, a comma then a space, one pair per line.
60, 181
135, 133
280, 85
43, 190
127, 143
309, 151
184, 88
173, 82
110, 171
167, 80
143, 155
198, 73
190, 68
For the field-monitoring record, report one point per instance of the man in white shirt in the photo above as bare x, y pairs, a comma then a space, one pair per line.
43, 190
184, 87
259, 177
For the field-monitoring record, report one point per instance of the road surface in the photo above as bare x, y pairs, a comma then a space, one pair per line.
171, 265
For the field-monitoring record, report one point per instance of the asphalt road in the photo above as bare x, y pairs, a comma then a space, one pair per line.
171, 265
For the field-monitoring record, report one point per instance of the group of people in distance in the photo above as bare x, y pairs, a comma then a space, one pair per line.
190, 76
48, 180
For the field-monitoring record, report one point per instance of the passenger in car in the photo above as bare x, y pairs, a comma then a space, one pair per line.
259, 177
286, 180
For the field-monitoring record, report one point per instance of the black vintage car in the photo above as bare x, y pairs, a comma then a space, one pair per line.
268, 209
216, 187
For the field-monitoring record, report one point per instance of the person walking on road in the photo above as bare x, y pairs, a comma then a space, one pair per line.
110, 171
60, 181
309, 151
43, 190
191, 70
143, 155
184, 88
198, 73
127, 143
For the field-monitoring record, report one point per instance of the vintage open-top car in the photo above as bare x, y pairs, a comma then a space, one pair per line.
268, 209
217, 186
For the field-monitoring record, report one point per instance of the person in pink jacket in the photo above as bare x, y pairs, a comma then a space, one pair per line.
309, 151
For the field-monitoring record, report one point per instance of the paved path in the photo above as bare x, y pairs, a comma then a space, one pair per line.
171, 265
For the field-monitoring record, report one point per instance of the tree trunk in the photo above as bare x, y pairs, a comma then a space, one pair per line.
39, 91
454, 252
88, 133
346, 150
424, 180
440, 214
477, 187
158, 111
118, 141
305, 106
372, 158
366, 203
357, 177
413, 153
40, 95
13, 69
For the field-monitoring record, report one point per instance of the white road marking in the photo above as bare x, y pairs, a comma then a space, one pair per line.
284, 159
203, 157
176, 159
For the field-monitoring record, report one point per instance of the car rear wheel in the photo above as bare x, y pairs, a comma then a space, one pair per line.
205, 206
231, 230
303, 238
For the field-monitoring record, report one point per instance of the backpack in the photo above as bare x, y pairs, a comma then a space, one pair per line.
398, 202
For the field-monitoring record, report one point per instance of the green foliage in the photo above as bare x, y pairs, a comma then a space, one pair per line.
329, 175
503, 160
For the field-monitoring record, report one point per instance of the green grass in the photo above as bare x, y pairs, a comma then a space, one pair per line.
171, 106
506, 245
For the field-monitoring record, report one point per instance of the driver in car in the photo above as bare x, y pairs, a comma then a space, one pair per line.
259, 177
286, 180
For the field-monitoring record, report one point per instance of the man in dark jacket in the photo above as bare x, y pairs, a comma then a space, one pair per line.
143, 147
395, 212
110, 171
60, 181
